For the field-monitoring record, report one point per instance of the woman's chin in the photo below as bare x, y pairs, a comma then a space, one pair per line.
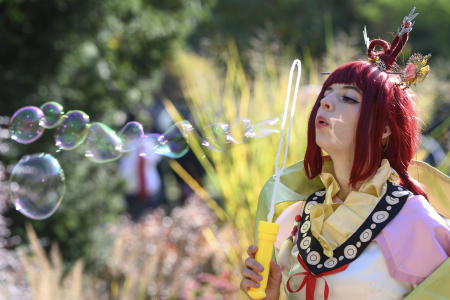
330, 147
323, 141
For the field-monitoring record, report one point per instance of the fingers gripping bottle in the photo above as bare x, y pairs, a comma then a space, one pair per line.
267, 233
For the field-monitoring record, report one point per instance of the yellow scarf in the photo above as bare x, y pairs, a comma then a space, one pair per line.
333, 223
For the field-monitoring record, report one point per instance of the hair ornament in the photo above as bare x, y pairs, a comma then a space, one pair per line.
415, 71
385, 58
416, 68
407, 22
366, 37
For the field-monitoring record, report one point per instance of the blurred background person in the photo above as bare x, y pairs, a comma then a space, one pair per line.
143, 182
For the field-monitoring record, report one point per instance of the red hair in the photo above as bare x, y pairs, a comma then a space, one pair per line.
383, 103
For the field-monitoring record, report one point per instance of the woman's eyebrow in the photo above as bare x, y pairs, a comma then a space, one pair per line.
351, 87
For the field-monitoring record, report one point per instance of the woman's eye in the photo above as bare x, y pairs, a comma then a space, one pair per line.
348, 99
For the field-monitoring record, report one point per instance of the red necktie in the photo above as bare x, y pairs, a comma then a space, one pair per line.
141, 177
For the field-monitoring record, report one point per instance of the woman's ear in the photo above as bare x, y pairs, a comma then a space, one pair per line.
387, 132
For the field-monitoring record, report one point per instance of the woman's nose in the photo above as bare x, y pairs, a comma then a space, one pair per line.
325, 103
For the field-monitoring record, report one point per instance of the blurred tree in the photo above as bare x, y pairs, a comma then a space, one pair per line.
104, 57
95, 55
308, 25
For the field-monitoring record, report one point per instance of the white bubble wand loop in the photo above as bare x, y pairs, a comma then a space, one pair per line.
297, 63
267, 231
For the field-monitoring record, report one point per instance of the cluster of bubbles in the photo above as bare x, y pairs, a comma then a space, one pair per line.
37, 181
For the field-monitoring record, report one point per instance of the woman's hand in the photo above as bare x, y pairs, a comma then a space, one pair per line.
251, 278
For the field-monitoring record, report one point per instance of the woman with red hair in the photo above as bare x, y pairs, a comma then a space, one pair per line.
363, 227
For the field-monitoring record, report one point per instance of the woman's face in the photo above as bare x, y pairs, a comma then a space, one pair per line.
337, 119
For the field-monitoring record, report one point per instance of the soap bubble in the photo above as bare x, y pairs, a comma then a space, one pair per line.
25, 126
102, 143
146, 146
173, 142
105, 145
216, 136
73, 130
53, 114
265, 128
37, 185
240, 131
129, 133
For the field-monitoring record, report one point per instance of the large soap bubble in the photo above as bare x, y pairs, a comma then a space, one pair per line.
37, 185
25, 126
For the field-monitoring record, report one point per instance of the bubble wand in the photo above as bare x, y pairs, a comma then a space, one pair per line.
267, 230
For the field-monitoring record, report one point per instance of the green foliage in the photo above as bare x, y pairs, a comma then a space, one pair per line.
297, 24
99, 56
308, 25
104, 57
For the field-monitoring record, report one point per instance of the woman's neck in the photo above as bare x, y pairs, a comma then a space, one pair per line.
342, 168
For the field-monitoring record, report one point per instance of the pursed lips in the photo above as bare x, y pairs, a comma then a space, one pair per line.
321, 122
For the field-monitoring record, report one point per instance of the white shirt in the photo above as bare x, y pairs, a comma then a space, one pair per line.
128, 167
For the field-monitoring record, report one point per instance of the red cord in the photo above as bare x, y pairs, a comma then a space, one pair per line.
310, 280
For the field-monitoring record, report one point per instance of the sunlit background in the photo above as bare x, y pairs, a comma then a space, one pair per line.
157, 63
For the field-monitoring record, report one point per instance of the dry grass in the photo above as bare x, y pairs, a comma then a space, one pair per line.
45, 276
181, 256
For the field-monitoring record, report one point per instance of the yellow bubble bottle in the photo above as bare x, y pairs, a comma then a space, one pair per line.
267, 233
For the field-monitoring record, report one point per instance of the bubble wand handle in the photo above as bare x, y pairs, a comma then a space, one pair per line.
267, 231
